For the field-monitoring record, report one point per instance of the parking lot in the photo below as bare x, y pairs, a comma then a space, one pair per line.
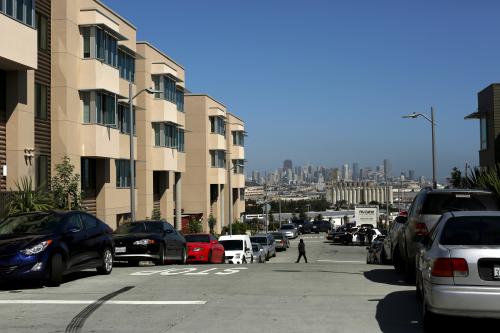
335, 292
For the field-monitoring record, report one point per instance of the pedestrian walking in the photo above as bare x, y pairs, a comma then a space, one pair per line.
302, 251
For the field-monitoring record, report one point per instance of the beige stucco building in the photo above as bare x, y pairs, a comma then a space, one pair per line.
209, 147
18, 62
160, 132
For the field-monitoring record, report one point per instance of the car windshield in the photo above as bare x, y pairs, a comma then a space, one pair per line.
472, 230
197, 238
260, 240
439, 203
232, 245
277, 235
30, 224
288, 227
255, 247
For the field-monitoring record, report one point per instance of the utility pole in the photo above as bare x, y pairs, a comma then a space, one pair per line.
279, 205
433, 123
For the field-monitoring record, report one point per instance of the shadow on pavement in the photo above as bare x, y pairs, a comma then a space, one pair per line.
399, 312
18, 286
387, 276
315, 271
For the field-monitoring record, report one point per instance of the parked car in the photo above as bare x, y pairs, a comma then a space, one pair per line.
267, 242
156, 241
204, 248
237, 248
304, 226
290, 230
374, 254
259, 254
458, 267
425, 211
321, 226
390, 242
344, 235
366, 232
281, 241
45, 246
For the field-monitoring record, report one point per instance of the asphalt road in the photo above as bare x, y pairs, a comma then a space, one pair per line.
335, 292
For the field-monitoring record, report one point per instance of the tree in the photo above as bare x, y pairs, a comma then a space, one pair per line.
65, 185
27, 199
156, 214
195, 226
211, 223
456, 180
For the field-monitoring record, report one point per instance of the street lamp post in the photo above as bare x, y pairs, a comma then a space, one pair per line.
131, 135
433, 126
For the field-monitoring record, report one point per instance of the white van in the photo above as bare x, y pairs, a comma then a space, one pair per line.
238, 249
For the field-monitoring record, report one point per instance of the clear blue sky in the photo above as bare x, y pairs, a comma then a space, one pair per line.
327, 81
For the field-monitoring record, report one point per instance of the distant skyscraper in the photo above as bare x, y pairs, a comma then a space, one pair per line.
336, 175
287, 164
411, 174
345, 172
387, 168
355, 171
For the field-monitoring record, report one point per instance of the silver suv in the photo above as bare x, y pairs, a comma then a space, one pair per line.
425, 211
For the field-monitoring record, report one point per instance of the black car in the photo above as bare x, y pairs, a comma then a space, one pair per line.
304, 226
321, 226
46, 245
156, 241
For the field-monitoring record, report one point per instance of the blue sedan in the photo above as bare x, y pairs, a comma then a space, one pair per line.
46, 245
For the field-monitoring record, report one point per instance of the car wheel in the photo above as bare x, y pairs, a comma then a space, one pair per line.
107, 262
161, 253
183, 256
56, 270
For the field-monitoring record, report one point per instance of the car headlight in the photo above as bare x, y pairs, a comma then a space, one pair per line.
237, 256
144, 242
37, 248
197, 249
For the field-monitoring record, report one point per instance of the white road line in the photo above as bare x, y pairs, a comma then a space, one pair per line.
343, 261
68, 302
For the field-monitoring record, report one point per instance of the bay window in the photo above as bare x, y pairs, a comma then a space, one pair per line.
239, 166
218, 158
99, 44
218, 125
123, 173
238, 138
168, 135
99, 107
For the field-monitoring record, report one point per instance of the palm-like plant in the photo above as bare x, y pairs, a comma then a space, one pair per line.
27, 199
485, 179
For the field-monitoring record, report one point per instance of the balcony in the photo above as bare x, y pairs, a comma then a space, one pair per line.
102, 141
168, 159
96, 75
216, 142
18, 45
165, 111
216, 176
237, 180
237, 152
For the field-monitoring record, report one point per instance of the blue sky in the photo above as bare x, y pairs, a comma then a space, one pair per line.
327, 81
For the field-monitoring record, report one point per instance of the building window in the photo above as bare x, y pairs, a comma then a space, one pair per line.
242, 194
168, 135
218, 125
99, 44
123, 173
179, 100
124, 118
41, 101
42, 171
126, 65
88, 174
42, 30
239, 166
99, 107
218, 158
238, 138
86, 106
21, 10
484, 133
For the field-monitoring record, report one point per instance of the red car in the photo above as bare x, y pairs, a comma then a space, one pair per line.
204, 248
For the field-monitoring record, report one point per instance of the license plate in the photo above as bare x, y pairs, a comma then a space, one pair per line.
120, 249
496, 272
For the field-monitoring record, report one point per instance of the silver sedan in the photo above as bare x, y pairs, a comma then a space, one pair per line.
290, 230
259, 255
458, 267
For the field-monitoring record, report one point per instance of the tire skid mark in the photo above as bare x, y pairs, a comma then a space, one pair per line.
78, 321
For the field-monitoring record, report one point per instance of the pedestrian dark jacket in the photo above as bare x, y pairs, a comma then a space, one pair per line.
302, 247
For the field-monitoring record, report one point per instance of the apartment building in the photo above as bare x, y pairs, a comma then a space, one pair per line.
235, 138
488, 114
206, 153
214, 150
160, 133
18, 62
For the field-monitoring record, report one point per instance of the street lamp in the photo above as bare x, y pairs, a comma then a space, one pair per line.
236, 165
131, 134
433, 125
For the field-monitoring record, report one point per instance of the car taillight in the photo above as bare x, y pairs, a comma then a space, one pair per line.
421, 229
450, 267
282, 241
